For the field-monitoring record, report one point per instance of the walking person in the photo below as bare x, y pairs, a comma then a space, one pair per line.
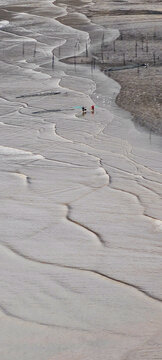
84, 110
92, 109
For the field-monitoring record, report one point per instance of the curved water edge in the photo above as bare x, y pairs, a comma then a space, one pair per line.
82, 196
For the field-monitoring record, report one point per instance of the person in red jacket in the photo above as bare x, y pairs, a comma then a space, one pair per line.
92, 109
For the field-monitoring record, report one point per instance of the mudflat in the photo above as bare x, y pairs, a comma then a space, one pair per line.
80, 209
139, 44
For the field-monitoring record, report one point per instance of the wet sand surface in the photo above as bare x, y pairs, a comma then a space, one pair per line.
139, 43
80, 210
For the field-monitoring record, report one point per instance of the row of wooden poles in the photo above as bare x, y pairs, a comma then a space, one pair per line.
144, 46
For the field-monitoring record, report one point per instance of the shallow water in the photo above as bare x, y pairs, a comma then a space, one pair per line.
81, 210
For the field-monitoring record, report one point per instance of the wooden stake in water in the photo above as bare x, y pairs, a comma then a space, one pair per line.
102, 55
154, 58
75, 62
136, 49
35, 45
23, 49
86, 50
53, 61
142, 43
94, 63
123, 58
102, 46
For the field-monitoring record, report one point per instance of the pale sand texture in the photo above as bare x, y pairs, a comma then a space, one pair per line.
80, 200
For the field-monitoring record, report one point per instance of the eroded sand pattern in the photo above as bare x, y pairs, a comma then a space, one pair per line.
81, 210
